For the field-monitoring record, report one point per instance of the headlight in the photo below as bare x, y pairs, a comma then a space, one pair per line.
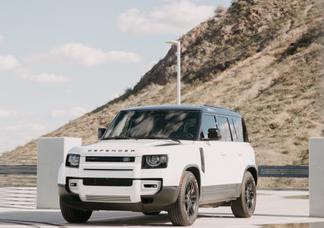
154, 161
72, 160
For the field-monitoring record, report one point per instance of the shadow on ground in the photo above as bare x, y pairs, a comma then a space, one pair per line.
116, 218
98, 218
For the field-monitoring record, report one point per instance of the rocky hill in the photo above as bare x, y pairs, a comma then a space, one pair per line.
260, 57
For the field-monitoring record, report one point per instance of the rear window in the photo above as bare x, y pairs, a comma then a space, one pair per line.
239, 130
208, 121
233, 130
222, 123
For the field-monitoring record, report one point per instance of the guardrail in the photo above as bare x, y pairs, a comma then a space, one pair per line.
18, 169
284, 171
264, 170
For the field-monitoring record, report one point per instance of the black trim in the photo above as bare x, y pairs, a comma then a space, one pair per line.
183, 107
109, 159
117, 181
245, 132
108, 169
157, 202
202, 159
219, 193
120, 182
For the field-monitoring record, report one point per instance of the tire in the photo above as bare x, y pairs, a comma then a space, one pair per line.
185, 210
73, 215
151, 213
244, 206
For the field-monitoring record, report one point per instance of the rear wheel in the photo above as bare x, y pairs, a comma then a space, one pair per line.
244, 206
73, 215
185, 210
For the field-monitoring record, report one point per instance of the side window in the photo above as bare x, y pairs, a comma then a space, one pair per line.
233, 130
238, 128
208, 121
223, 125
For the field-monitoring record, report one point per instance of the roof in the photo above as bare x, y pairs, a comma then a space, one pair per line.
187, 107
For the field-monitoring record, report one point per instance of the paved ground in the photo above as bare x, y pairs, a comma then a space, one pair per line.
17, 209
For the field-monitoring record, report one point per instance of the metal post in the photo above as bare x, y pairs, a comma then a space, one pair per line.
316, 177
178, 69
51, 152
178, 72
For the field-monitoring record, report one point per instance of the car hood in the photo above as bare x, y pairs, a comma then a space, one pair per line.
130, 146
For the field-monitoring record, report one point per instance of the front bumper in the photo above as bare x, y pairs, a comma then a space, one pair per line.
108, 194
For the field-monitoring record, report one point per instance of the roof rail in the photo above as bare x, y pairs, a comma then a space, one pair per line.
212, 106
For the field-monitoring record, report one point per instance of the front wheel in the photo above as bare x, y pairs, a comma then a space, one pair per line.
73, 215
185, 210
244, 206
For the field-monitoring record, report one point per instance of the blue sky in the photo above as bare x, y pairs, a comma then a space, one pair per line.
60, 59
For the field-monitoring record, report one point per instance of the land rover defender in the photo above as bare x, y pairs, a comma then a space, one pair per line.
173, 158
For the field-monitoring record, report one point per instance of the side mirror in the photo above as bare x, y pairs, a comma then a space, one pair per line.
101, 132
214, 133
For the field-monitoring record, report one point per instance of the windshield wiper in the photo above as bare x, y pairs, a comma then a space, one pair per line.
174, 139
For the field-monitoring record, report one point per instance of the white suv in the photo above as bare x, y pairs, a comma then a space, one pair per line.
172, 158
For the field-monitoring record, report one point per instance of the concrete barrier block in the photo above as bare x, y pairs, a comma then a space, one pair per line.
51, 152
316, 177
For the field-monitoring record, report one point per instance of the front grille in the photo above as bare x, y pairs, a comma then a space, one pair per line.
108, 182
99, 198
109, 159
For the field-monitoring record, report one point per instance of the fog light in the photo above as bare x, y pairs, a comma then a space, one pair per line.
73, 184
150, 186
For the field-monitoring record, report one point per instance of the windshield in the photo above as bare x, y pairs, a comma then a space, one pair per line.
156, 124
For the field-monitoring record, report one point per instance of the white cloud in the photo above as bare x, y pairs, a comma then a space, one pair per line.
89, 56
46, 77
8, 62
25, 74
175, 17
7, 113
68, 113
1, 38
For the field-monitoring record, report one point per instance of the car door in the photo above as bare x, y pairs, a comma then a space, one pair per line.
214, 161
228, 151
240, 160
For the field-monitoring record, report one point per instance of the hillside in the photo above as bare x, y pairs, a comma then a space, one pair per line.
260, 57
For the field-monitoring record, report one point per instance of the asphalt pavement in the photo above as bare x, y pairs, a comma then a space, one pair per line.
17, 209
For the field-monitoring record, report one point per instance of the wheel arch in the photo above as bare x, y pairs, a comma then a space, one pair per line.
254, 171
194, 169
